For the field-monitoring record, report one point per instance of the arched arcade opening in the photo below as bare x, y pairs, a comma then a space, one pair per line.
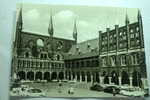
30, 75
21, 75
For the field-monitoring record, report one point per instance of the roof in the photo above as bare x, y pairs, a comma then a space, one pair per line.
44, 35
83, 46
84, 49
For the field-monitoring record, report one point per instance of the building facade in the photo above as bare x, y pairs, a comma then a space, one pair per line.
122, 56
38, 57
116, 57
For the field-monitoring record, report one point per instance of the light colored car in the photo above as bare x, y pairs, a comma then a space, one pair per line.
35, 92
132, 93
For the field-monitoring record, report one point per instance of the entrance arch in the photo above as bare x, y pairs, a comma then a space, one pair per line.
78, 76
61, 75
125, 78
97, 77
106, 80
21, 75
136, 79
54, 76
47, 76
30, 75
38, 75
114, 78
83, 76
88, 77
73, 75
69, 75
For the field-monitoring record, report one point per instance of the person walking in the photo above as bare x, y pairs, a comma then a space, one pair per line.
114, 92
59, 86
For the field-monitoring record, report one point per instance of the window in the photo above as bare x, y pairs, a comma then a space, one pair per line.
104, 62
131, 35
137, 34
120, 33
113, 60
123, 59
40, 42
131, 30
137, 28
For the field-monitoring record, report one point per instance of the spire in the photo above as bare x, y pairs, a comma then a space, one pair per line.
139, 17
75, 31
19, 20
50, 27
127, 19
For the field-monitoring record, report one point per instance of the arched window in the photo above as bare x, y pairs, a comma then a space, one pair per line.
27, 54
40, 42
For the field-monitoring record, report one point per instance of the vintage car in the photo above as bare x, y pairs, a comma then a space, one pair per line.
35, 92
109, 89
97, 87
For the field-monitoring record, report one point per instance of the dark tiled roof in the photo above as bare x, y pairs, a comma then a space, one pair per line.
80, 56
83, 46
85, 49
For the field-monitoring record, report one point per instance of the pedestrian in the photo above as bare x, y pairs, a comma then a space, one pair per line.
59, 86
114, 92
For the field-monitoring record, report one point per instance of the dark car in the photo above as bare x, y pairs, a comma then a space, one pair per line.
96, 87
109, 89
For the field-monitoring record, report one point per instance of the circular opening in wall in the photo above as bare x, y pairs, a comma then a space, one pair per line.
40, 42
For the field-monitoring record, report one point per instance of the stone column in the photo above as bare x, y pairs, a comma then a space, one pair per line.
130, 78
42, 75
25, 75
86, 78
144, 83
91, 78
80, 78
50, 75
101, 80
120, 80
71, 76
57, 76
76, 77
34, 75
110, 80
67, 76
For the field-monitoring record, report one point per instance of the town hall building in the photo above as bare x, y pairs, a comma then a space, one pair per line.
117, 56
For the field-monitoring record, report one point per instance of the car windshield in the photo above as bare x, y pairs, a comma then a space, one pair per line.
34, 91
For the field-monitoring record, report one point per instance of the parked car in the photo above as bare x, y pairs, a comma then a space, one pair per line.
35, 92
146, 92
109, 89
132, 93
96, 87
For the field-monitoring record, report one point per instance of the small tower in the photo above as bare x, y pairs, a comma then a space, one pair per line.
139, 17
75, 33
127, 19
140, 25
50, 27
19, 25
127, 22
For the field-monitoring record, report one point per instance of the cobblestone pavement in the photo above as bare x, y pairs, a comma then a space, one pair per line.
80, 90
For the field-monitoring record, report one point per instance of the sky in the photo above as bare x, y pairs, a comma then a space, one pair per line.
89, 19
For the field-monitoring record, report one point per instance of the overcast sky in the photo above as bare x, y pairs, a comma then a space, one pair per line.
89, 19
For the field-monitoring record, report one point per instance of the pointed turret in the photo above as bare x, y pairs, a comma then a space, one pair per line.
19, 20
140, 24
75, 33
139, 17
19, 25
50, 28
127, 19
